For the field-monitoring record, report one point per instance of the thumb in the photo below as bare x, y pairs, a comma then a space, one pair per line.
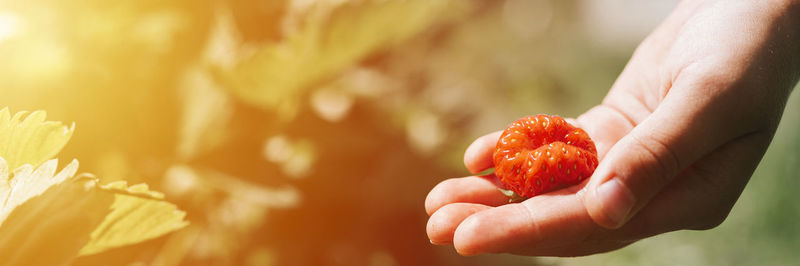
632, 172
678, 133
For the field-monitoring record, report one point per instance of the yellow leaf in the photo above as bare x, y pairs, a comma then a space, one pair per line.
31, 140
51, 218
28, 182
137, 214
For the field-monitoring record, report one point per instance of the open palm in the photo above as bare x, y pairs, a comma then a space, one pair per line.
679, 135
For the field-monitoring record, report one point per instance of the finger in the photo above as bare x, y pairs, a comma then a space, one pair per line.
472, 189
533, 227
443, 222
478, 156
687, 126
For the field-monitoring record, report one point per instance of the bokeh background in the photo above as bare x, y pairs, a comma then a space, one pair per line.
308, 132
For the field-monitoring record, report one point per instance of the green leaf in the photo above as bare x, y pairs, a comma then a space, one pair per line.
137, 214
50, 217
31, 140
512, 196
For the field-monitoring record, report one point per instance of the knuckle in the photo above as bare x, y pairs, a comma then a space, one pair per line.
534, 229
662, 163
701, 75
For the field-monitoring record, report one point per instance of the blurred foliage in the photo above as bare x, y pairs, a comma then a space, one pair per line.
324, 38
308, 132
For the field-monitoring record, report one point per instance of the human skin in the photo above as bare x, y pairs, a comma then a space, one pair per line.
678, 135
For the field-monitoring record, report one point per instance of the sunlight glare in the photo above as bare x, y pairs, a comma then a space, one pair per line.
9, 26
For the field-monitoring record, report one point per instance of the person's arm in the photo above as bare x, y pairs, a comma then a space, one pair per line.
679, 135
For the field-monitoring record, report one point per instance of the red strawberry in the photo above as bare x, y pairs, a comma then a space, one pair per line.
542, 153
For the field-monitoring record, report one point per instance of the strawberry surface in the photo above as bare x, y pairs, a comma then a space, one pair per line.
542, 153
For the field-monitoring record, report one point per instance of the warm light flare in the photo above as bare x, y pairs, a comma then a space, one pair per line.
306, 132
10, 26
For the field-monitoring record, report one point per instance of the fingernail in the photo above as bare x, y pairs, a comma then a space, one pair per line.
438, 243
617, 201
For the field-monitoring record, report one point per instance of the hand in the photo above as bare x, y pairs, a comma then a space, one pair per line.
678, 135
